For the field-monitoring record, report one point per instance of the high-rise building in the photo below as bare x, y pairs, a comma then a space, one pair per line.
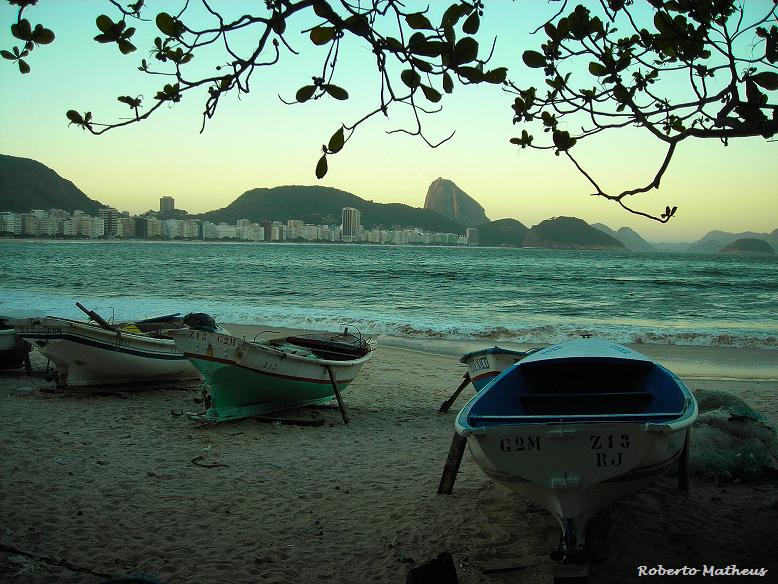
109, 215
472, 235
351, 219
167, 204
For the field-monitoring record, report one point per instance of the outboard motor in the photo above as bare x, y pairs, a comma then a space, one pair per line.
200, 321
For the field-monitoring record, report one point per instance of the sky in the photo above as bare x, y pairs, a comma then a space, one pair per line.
258, 141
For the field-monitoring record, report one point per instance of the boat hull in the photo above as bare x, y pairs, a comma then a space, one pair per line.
248, 379
576, 470
485, 365
86, 355
576, 426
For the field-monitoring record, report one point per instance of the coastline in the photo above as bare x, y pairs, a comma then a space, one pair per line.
107, 483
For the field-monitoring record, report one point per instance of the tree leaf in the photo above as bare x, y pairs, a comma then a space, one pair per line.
23, 66
410, 78
336, 141
431, 94
418, 21
337, 92
305, 93
448, 83
465, 51
472, 23
7, 55
104, 23
597, 69
767, 80
126, 47
496, 75
321, 167
167, 25
321, 35
74, 117
533, 59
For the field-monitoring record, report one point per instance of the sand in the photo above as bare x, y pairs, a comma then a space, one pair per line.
93, 485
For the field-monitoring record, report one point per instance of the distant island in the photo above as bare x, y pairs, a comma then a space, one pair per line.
36, 202
749, 245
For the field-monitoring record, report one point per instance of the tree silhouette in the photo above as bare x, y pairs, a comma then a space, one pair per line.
680, 69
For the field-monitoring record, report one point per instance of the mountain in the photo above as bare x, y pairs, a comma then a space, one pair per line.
715, 240
447, 199
628, 237
569, 233
772, 239
27, 184
507, 232
323, 205
749, 245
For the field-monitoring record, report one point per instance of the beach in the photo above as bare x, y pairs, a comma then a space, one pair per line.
118, 482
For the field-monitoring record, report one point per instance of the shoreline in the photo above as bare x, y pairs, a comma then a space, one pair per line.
110, 483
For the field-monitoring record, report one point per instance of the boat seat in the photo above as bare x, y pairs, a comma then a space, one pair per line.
601, 402
549, 416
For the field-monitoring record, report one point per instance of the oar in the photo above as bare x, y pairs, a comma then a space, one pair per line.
96, 317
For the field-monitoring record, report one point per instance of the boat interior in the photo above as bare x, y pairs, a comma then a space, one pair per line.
580, 389
329, 346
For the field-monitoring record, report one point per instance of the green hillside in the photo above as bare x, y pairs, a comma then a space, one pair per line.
507, 232
323, 205
27, 184
568, 233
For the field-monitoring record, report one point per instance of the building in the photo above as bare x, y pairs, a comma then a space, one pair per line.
351, 220
109, 215
10, 223
167, 204
125, 227
471, 233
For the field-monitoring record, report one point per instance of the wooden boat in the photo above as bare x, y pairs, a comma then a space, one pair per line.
98, 353
14, 351
486, 364
576, 426
249, 378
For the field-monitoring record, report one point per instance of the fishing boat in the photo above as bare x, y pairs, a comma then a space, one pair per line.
576, 426
246, 378
99, 353
14, 352
486, 364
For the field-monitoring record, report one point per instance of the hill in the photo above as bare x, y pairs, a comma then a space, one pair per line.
715, 240
323, 205
569, 233
629, 238
447, 199
508, 232
749, 245
27, 184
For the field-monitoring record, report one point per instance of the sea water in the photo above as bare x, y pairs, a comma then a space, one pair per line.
473, 293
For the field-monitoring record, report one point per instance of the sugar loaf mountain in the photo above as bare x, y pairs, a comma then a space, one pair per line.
27, 184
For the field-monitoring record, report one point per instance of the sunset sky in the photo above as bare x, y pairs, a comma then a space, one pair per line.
258, 141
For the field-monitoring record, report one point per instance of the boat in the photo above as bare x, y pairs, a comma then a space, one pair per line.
14, 352
576, 426
245, 378
97, 353
486, 364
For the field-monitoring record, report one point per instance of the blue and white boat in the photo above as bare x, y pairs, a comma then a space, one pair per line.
576, 426
486, 364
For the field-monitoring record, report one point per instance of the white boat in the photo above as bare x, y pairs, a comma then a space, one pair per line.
249, 378
576, 426
97, 353
13, 350
486, 364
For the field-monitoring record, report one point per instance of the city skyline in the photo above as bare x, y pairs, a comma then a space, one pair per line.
261, 142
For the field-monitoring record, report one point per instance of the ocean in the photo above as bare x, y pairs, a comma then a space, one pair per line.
470, 293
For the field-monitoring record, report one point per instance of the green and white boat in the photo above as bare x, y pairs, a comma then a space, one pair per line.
249, 378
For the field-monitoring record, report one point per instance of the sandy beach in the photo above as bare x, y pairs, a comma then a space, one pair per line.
109, 484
